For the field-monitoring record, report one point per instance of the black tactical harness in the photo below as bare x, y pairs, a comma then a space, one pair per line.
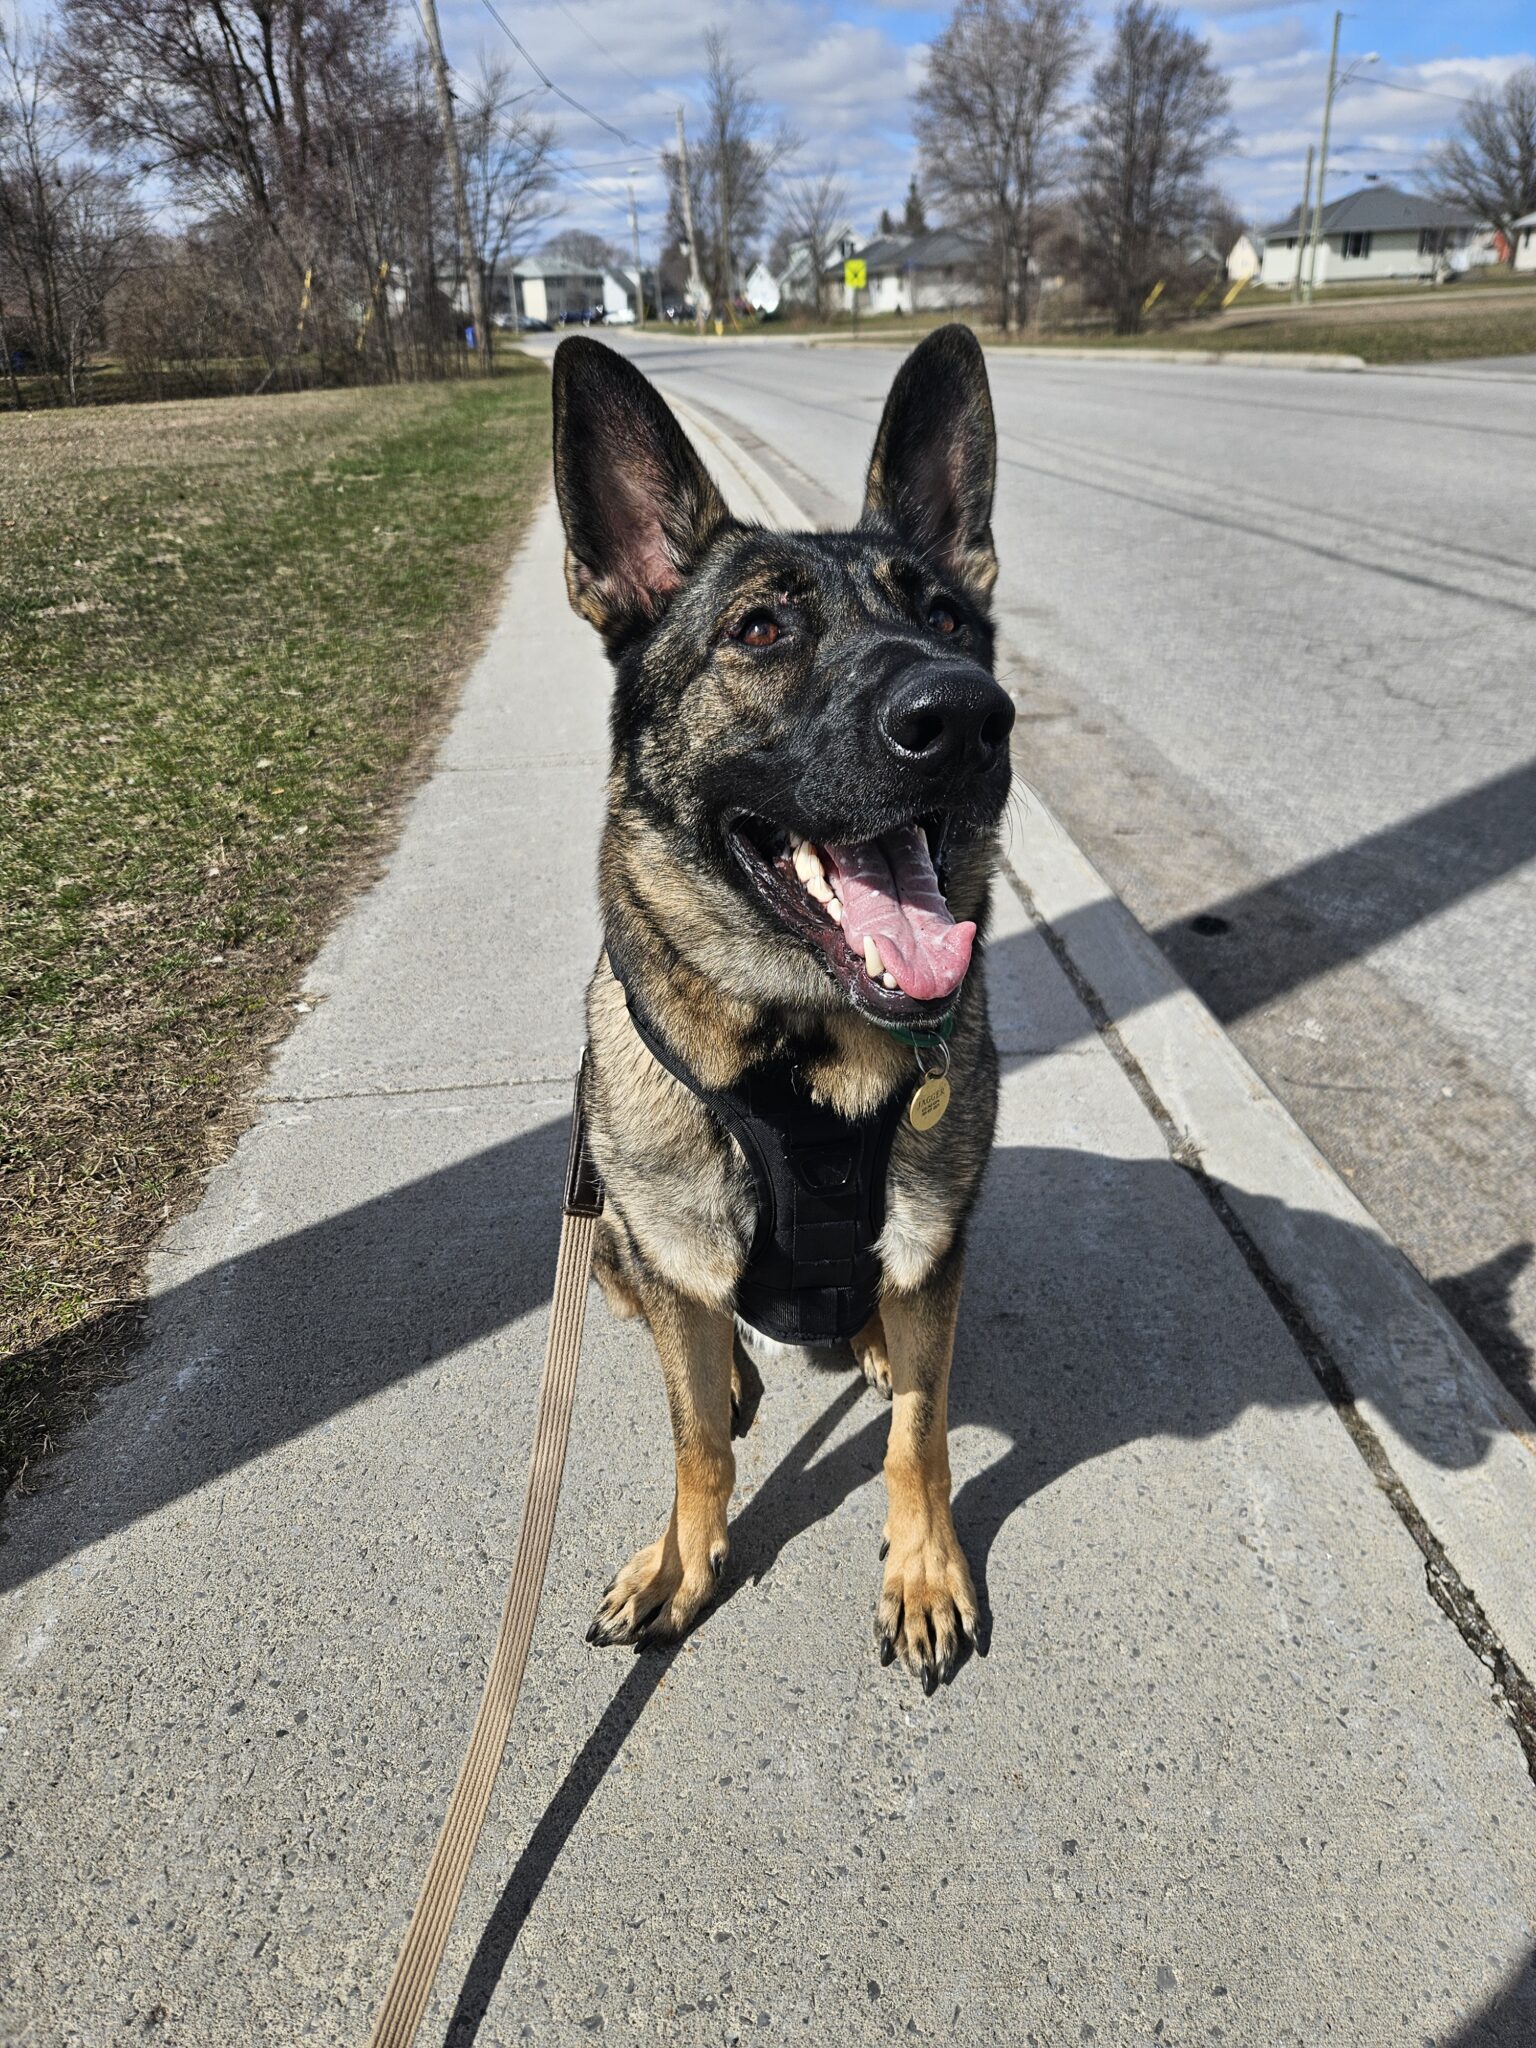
812, 1274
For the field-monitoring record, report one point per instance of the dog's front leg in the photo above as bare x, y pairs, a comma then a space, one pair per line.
663, 1587
927, 1602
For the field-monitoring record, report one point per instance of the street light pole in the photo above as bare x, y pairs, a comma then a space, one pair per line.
1322, 165
468, 255
634, 235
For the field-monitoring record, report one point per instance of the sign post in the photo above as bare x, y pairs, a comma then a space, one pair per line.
855, 278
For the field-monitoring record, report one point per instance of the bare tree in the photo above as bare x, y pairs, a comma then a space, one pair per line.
69, 233
507, 170
232, 99
1157, 115
991, 121
813, 210
585, 250
732, 170
1489, 164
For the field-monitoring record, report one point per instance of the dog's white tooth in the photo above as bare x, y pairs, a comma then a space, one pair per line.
888, 981
835, 910
874, 966
813, 860
818, 888
800, 858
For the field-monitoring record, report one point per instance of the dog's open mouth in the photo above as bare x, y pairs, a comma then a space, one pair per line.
875, 907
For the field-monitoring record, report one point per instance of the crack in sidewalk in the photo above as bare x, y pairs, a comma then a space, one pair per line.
1512, 1690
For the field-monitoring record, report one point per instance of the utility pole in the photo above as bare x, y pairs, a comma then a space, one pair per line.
1322, 162
695, 277
467, 254
1301, 228
634, 236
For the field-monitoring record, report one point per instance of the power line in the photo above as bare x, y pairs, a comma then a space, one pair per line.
559, 91
618, 62
1424, 91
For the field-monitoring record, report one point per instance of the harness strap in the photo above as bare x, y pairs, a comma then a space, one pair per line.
812, 1273
422, 1951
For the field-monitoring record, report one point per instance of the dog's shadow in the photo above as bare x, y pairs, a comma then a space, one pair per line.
1102, 1310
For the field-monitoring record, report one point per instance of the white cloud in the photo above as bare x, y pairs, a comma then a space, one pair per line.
845, 85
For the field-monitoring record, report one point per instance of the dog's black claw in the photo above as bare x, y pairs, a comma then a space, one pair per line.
929, 1677
717, 1566
887, 1650
885, 1548
592, 1633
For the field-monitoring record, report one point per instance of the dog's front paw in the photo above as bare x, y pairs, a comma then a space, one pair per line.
927, 1605
655, 1597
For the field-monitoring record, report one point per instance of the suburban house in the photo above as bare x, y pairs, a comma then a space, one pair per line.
1525, 242
552, 287
796, 278
1245, 258
1377, 232
928, 273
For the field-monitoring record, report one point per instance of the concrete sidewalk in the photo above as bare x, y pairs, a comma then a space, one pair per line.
1230, 1772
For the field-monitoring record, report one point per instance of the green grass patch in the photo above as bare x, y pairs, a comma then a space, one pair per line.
1483, 329
227, 630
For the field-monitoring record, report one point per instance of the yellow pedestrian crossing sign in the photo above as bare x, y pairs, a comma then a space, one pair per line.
855, 273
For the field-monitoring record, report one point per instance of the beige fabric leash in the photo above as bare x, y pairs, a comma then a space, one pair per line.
427, 1936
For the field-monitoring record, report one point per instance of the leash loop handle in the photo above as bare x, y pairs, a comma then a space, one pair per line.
421, 1954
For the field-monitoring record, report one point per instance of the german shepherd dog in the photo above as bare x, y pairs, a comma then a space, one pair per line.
809, 765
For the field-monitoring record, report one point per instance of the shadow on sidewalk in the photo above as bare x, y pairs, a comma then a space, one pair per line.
305, 1326
1081, 1334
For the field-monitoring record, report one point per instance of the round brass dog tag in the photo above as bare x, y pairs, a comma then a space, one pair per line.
929, 1103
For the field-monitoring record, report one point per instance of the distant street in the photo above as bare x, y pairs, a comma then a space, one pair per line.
1273, 636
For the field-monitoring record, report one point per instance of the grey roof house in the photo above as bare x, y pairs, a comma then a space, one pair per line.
932, 272
1378, 232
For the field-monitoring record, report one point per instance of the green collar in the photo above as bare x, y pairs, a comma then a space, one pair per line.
921, 1040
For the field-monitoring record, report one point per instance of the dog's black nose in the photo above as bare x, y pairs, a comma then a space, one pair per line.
943, 717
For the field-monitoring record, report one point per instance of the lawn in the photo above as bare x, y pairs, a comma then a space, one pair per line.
229, 629
1413, 335
1410, 329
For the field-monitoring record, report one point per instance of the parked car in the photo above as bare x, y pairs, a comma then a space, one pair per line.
623, 316
526, 324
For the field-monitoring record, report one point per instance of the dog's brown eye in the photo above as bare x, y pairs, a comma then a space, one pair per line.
942, 619
758, 629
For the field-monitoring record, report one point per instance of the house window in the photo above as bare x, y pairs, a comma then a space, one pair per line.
1357, 244
1429, 241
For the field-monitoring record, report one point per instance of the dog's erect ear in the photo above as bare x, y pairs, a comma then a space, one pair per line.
638, 507
935, 461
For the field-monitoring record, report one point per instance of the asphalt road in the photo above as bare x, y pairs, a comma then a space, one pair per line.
1273, 639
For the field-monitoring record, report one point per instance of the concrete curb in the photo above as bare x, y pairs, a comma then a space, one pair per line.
1209, 358
1461, 1445
1203, 358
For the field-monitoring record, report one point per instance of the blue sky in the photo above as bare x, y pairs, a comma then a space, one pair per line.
842, 74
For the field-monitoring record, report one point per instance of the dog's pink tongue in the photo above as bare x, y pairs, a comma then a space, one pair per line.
891, 894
